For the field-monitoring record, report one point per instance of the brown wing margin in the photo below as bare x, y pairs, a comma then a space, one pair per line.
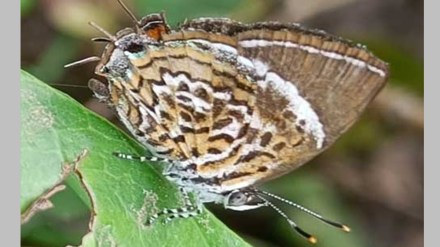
338, 77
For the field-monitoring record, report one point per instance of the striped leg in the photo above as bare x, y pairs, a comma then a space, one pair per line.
189, 210
140, 158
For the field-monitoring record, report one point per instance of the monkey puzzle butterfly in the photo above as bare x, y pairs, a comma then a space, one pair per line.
228, 105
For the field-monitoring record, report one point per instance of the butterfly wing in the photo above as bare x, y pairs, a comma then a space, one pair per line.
238, 104
332, 79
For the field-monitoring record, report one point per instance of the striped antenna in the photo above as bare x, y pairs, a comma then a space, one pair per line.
67, 85
308, 211
298, 229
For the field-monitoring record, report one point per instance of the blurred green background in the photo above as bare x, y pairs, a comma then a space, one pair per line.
371, 179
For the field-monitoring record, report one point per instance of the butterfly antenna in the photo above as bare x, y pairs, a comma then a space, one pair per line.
102, 39
300, 231
308, 211
102, 30
67, 85
162, 15
128, 11
83, 61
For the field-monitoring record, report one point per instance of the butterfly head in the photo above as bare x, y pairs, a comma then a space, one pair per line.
241, 200
153, 26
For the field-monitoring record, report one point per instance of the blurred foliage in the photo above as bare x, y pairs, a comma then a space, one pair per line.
405, 69
306, 188
363, 137
178, 10
26, 6
50, 64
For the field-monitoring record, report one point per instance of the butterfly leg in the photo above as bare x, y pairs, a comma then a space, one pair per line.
140, 158
189, 210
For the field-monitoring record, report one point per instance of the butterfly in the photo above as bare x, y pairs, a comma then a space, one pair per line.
227, 106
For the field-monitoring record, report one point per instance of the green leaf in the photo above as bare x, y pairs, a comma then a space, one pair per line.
55, 130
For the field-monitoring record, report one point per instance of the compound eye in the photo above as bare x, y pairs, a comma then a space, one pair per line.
135, 47
243, 200
237, 199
